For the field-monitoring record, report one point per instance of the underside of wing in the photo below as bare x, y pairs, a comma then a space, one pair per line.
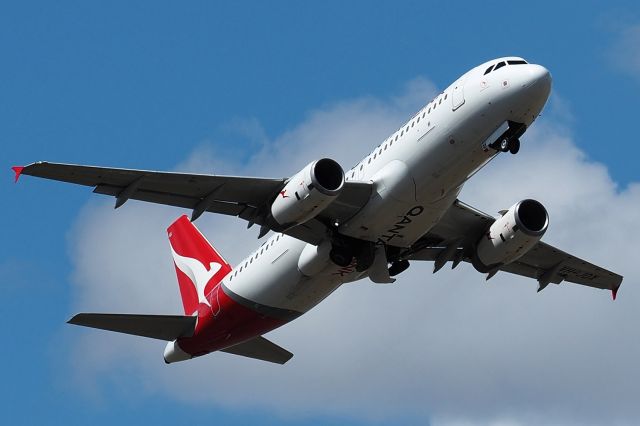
249, 198
455, 238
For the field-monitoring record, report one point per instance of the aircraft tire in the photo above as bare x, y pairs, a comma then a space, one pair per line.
514, 146
341, 256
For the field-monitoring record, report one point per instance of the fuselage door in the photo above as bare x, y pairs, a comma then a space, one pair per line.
457, 96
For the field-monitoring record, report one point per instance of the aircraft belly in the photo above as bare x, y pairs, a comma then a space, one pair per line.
274, 280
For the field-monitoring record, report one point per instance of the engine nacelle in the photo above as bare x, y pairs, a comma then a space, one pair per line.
511, 236
308, 192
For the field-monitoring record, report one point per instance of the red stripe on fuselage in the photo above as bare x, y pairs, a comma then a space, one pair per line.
225, 323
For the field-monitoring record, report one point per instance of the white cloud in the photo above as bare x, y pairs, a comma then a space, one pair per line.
625, 51
449, 348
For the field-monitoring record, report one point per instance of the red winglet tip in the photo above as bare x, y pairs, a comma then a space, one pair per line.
18, 170
614, 293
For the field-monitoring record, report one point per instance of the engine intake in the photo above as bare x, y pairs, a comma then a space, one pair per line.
511, 235
307, 193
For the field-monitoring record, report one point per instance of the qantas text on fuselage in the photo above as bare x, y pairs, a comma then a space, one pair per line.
398, 204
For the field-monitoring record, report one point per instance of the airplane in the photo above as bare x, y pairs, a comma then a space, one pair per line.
398, 205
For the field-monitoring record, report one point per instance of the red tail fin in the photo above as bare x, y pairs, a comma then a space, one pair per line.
198, 264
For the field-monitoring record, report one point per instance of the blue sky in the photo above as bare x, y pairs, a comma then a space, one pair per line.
151, 84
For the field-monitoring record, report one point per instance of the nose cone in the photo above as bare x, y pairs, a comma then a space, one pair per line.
538, 78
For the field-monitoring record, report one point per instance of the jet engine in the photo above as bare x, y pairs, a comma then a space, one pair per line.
511, 236
308, 192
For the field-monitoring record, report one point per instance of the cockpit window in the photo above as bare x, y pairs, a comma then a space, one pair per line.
517, 62
500, 65
488, 70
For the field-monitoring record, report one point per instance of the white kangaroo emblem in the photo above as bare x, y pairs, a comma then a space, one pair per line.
197, 272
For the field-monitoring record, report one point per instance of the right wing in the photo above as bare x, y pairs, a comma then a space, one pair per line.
249, 198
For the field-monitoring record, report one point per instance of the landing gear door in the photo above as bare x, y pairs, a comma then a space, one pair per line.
457, 96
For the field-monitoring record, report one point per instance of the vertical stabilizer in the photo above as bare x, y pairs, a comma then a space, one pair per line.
198, 265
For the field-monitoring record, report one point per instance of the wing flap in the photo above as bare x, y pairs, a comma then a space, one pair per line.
262, 349
162, 327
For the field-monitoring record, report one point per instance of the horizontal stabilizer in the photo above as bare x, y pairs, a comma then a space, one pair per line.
163, 327
260, 348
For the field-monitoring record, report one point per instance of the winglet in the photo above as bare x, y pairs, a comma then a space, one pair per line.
18, 171
614, 292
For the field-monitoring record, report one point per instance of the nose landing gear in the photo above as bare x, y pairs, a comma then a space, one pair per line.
509, 145
509, 141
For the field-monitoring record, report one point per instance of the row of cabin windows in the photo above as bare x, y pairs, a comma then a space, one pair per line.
263, 249
413, 123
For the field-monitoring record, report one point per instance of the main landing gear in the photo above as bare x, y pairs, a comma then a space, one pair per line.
398, 267
341, 255
344, 250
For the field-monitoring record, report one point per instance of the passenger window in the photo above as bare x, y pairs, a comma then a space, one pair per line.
402, 133
369, 162
407, 127
396, 137
361, 166
374, 156
445, 97
417, 121
429, 110
423, 114
500, 65
440, 101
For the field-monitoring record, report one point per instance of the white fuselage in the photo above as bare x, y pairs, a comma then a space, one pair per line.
417, 173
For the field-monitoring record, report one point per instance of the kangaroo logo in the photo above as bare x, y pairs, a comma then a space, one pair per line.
197, 273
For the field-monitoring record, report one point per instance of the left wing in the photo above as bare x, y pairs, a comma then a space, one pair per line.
246, 197
463, 225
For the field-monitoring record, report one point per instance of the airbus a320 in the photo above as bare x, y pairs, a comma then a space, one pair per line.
398, 205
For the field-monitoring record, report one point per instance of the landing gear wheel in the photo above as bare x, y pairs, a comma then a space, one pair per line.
514, 146
341, 256
504, 145
365, 257
398, 267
